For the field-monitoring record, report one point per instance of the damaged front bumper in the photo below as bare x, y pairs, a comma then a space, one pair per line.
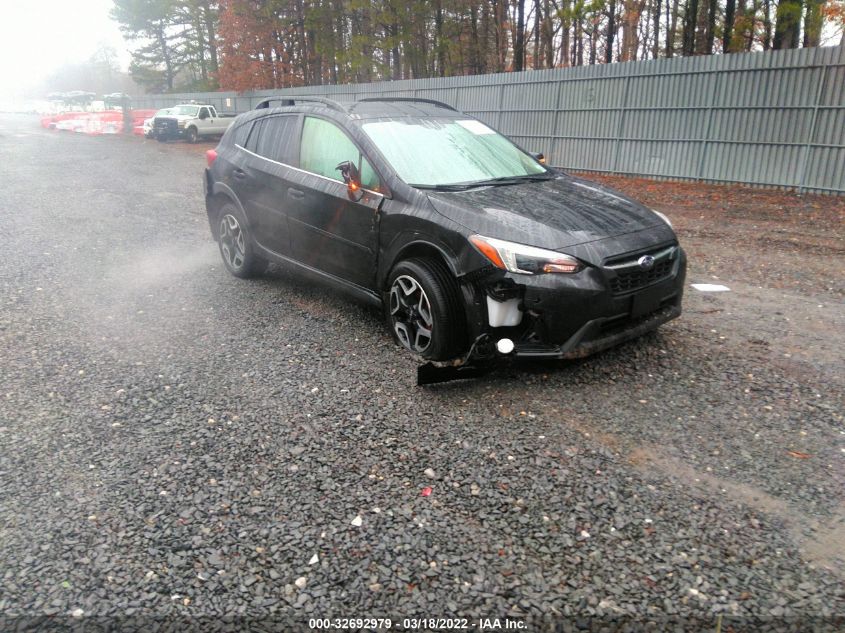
573, 316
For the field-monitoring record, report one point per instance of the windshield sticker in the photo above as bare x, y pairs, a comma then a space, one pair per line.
476, 127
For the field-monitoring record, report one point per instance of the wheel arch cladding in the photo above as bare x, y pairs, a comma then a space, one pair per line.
417, 249
222, 194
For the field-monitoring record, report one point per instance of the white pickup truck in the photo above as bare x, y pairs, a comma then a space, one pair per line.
191, 121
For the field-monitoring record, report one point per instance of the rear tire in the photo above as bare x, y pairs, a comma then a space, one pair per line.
424, 309
236, 245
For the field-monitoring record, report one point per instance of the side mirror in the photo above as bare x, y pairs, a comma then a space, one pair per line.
540, 158
203, 114
352, 178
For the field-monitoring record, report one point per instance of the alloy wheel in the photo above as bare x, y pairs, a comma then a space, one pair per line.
232, 243
410, 311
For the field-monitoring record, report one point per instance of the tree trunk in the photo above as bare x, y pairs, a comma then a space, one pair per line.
484, 52
548, 37
788, 24
690, 22
438, 39
202, 47
566, 56
813, 21
475, 48
519, 43
300, 39
394, 52
338, 72
611, 31
701, 28
211, 38
166, 56
767, 26
630, 26
656, 19
711, 26
671, 29
577, 34
727, 32
535, 58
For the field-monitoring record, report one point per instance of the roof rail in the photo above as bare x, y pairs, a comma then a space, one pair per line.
439, 104
293, 99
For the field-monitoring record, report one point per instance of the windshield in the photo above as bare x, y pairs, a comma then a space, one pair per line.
185, 109
163, 112
429, 152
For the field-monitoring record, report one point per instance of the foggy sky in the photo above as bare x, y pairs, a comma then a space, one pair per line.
37, 38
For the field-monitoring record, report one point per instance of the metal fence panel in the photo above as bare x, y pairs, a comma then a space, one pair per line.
775, 118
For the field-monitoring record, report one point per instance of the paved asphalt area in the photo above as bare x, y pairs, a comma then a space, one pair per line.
175, 441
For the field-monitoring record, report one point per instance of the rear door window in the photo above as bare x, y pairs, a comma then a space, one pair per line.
272, 137
324, 146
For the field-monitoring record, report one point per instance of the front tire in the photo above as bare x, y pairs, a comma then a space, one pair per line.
424, 310
192, 135
236, 246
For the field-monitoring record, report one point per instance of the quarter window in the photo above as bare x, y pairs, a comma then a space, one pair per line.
325, 145
240, 133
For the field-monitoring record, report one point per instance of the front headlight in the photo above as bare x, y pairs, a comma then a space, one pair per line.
180, 123
663, 217
526, 260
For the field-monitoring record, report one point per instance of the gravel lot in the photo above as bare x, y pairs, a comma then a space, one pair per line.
174, 441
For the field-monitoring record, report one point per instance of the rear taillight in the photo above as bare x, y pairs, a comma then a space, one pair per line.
211, 156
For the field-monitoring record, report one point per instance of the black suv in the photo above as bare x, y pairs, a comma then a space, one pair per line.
473, 247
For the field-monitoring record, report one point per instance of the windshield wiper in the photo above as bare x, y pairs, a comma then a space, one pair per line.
501, 180
515, 180
455, 187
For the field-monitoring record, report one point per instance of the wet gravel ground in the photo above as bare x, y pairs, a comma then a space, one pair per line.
177, 442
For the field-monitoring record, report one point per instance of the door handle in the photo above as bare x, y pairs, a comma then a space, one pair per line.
296, 194
240, 174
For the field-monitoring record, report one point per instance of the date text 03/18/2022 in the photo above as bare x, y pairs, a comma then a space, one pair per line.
417, 624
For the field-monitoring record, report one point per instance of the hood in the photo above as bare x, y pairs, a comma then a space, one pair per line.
549, 214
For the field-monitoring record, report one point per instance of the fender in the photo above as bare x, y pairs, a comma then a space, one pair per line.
409, 241
475, 311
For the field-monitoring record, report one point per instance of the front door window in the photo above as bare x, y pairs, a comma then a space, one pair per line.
325, 145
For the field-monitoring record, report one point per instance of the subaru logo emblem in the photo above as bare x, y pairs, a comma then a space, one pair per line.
646, 262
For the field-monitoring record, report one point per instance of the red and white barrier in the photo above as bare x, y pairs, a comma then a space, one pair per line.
96, 123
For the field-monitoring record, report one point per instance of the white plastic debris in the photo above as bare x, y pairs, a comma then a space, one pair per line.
357, 521
710, 288
314, 559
